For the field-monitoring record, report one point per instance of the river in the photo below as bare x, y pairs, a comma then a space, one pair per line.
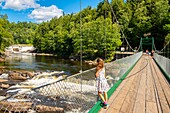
43, 63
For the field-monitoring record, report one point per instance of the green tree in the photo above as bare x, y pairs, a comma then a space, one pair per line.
23, 32
6, 38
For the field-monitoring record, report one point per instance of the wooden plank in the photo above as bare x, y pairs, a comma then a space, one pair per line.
153, 100
131, 96
150, 96
130, 99
161, 96
140, 100
112, 98
164, 83
121, 97
112, 110
157, 100
117, 91
156, 92
151, 106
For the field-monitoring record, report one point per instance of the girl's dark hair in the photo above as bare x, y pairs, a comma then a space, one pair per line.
98, 60
100, 64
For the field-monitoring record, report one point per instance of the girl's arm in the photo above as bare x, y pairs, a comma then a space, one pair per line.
97, 73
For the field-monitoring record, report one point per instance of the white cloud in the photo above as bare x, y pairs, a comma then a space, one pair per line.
19, 4
39, 13
45, 13
1, 1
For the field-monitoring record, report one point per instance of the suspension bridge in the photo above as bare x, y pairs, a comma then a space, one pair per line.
138, 83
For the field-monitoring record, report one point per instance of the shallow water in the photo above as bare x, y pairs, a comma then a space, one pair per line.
43, 63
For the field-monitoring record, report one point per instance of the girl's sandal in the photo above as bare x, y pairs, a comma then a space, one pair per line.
105, 106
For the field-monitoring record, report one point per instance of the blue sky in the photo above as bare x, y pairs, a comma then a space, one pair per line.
41, 10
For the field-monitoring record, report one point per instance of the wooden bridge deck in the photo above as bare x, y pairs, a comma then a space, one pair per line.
145, 90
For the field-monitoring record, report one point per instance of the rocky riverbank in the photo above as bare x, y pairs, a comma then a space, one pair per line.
10, 78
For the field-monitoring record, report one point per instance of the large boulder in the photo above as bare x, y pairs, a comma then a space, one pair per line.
20, 75
16, 76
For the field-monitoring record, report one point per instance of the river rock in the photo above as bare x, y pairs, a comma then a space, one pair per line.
4, 76
25, 73
90, 62
1, 71
48, 109
5, 86
3, 80
30, 74
18, 107
2, 93
16, 76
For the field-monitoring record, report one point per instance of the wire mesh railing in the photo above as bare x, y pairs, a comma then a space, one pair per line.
76, 93
163, 62
162, 57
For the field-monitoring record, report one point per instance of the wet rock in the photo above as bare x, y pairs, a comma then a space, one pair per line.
3, 80
26, 106
91, 62
48, 109
16, 76
2, 93
5, 86
30, 74
4, 76
12, 82
69, 106
16, 107
25, 73
1, 72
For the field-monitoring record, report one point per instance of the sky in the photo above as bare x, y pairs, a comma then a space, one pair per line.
41, 10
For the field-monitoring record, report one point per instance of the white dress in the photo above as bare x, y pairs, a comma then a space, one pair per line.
101, 82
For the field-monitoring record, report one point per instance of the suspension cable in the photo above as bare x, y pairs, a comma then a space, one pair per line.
105, 29
165, 46
140, 45
118, 24
105, 50
81, 50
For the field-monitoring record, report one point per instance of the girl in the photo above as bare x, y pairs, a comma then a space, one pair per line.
102, 85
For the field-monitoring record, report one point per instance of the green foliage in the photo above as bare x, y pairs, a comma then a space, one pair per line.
23, 32
98, 32
167, 28
62, 36
148, 16
94, 40
5, 37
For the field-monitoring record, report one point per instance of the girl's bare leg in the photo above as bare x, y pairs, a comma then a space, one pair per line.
105, 96
101, 96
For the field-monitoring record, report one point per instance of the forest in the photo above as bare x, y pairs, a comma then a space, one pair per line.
93, 31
